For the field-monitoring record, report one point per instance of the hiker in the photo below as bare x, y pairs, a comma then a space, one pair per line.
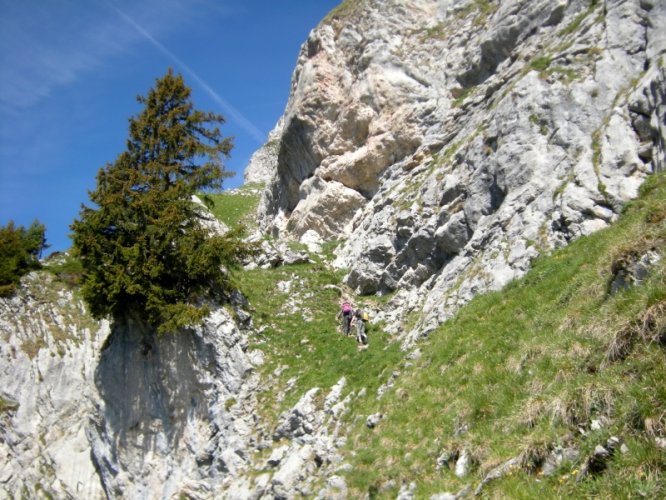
361, 317
346, 314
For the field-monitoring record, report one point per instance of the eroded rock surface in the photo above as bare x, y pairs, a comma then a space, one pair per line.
451, 144
90, 410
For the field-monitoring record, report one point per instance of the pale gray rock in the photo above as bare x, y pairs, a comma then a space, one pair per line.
208, 220
597, 462
406, 491
312, 240
48, 347
326, 208
632, 270
100, 411
557, 457
336, 489
463, 464
163, 419
299, 421
474, 141
296, 468
498, 472
660, 442
313, 435
334, 396
274, 254
443, 496
373, 420
277, 455
264, 161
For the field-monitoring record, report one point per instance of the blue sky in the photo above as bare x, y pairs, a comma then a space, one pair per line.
70, 71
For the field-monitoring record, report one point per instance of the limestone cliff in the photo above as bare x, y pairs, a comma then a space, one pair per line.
451, 142
446, 142
93, 411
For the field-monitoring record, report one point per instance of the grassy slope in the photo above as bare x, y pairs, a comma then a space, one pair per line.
235, 207
528, 368
519, 371
300, 334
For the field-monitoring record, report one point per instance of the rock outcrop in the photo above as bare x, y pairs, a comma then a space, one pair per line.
89, 410
452, 142
449, 143
48, 347
173, 415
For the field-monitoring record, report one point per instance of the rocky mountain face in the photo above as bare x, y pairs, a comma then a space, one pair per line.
48, 351
97, 410
446, 142
449, 143
89, 410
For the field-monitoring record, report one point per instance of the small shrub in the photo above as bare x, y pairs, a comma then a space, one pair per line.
66, 269
437, 32
31, 347
543, 129
540, 63
344, 11
20, 250
460, 94
7, 405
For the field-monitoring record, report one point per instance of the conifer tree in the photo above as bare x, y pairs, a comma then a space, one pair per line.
20, 250
143, 248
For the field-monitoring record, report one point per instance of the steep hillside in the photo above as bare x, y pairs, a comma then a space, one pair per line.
95, 410
468, 171
449, 143
550, 387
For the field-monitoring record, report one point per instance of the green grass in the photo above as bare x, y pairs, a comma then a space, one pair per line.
237, 207
483, 9
67, 269
514, 374
437, 32
523, 369
344, 11
574, 26
540, 63
304, 337
6, 405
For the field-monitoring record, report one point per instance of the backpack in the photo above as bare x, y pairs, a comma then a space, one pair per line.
365, 316
346, 307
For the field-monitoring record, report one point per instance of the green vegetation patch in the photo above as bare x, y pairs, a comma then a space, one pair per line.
236, 207
483, 9
66, 268
519, 372
7, 405
540, 63
20, 249
575, 25
343, 12
299, 333
141, 245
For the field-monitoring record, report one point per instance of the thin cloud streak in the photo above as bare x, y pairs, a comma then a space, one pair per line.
44, 48
236, 115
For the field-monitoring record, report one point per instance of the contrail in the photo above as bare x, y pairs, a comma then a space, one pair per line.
230, 110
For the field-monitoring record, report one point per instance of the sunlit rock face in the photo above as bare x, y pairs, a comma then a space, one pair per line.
448, 143
451, 142
164, 422
96, 410
48, 347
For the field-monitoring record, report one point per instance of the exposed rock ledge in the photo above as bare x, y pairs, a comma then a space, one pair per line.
90, 411
450, 145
